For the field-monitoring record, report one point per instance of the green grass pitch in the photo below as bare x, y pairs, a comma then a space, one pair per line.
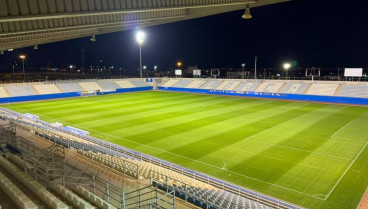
313, 155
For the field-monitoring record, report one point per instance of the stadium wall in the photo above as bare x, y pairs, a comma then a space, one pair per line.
298, 97
65, 95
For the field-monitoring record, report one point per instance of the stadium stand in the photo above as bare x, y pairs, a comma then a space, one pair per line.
212, 84
181, 83
138, 83
322, 89
294, 88
77, 201
34, 186
195, 84
15, 194
124, 84
20, 90
269, 87
228, 85
47, 89
170, 83
108, 85
360, 91
89, 86
248, 86
3, 92
69, 87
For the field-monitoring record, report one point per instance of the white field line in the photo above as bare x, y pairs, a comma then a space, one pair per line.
301, 150
201, 162
341, 129
354, 140
351, 164
210, 165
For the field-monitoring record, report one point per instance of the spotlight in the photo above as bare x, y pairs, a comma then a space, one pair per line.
1, 52
247, 14
35, 47
93, 38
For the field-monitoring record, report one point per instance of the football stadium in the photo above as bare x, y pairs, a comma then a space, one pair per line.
216, 143
190, 138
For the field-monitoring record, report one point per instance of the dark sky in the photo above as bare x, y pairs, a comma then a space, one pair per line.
323, 33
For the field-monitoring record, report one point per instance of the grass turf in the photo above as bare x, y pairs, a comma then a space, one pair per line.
313, 155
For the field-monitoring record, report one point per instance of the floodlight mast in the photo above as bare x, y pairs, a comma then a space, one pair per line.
23, 57
286, 66
140, 39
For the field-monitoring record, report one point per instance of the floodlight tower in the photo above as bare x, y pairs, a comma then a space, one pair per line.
23, 57
140, 39
286, 66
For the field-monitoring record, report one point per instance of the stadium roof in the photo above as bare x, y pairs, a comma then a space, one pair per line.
34, 22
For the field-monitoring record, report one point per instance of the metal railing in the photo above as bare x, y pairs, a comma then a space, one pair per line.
114, 149
151, 197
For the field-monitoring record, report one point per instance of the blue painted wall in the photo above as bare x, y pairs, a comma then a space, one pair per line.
64, 95
299, 97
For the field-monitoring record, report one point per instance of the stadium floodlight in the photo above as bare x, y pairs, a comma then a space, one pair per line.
243, 66
10, 50
155, 67
286, 66
179, 64
144, 67
140, 39
23, 57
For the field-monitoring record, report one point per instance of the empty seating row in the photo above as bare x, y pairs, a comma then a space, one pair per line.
41, 89
34, 186
269, 87
99, 202
107, 85
294, 88
70, 196
228, 85
169, 83
21, 90
211, 84
47, 89
3, 92
15, 194
181, 83
69, 87
353, 91
322, 89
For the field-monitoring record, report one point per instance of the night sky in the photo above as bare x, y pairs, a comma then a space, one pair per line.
323, 33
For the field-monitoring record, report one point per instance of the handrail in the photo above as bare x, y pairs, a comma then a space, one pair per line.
119, 150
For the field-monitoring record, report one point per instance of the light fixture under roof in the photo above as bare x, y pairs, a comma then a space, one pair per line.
247, 14
1, 52
35, 47
10, 50
93, 38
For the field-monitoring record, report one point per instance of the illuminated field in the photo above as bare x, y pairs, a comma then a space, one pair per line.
309, 154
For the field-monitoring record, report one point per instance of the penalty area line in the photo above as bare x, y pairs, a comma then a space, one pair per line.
343, 175
341, 129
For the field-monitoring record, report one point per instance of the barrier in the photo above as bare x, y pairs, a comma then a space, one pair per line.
298, 97
38, 97
65, 95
